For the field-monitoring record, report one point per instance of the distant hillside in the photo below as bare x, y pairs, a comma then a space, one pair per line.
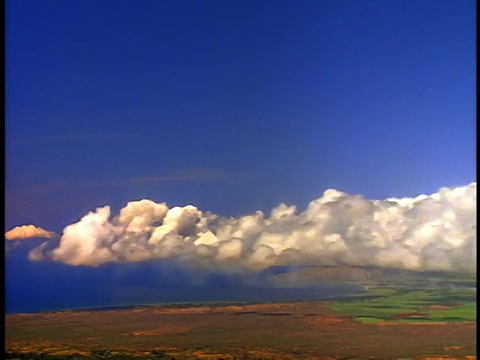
312, 274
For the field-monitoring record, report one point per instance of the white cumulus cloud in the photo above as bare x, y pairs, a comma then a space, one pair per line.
434, 232
27, 232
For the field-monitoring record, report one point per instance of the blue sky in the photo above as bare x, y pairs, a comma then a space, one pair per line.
232, 106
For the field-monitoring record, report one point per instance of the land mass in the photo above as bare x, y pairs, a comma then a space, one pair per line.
410, 318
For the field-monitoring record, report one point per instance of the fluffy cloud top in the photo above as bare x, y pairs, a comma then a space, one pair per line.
28, 231
429, 232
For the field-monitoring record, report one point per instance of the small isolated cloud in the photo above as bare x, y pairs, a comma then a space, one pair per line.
434, 232
27, 232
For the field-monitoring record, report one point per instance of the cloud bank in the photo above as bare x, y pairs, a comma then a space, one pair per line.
27, 232
434, 232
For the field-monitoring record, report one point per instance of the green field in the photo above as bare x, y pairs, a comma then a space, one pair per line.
413, 300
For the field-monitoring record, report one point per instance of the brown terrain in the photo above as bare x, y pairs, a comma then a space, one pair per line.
301, 330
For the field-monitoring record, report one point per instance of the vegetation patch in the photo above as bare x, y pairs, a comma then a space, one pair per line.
444, 301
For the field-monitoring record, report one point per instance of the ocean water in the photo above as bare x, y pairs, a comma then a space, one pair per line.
37, 287
188, 294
